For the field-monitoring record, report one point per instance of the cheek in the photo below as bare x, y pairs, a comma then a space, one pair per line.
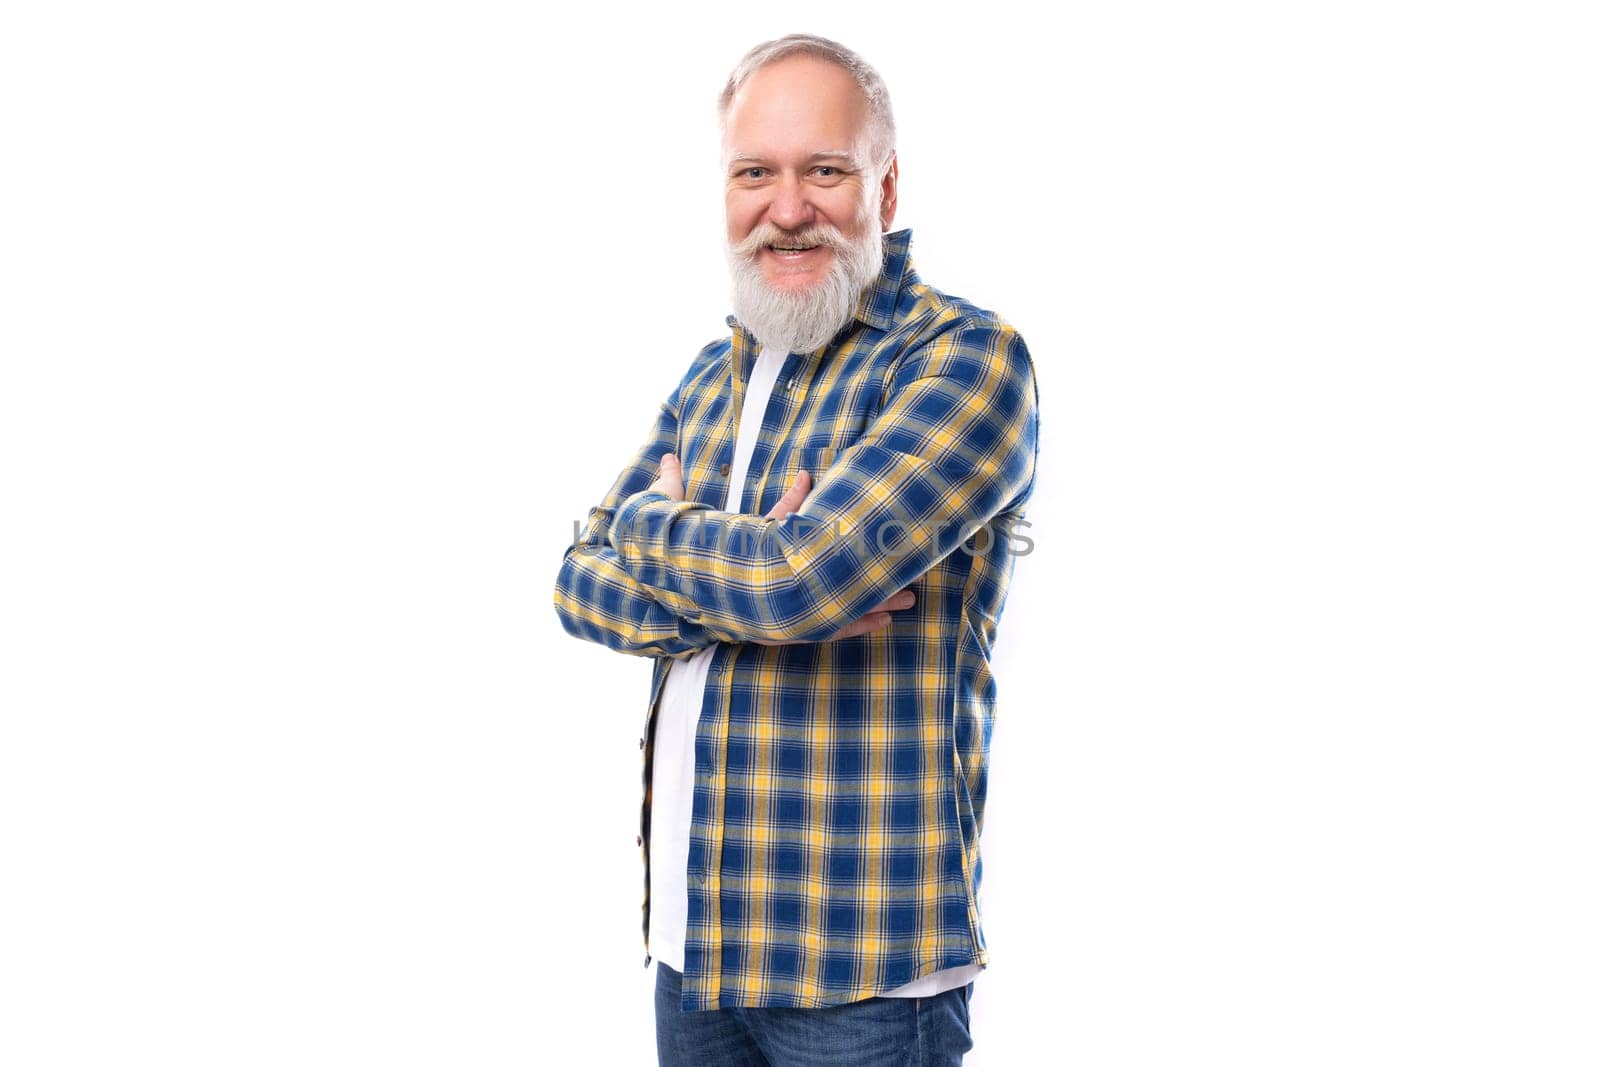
849, 211
742, 215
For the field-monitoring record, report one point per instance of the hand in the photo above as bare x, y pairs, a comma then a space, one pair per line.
793, 497
876, 617
670, 480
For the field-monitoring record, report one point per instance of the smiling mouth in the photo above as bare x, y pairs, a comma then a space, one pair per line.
792, 250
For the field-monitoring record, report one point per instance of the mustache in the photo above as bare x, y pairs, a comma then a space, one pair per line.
768, 234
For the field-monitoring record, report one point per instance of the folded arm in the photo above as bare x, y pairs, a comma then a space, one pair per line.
954, 445
595, 596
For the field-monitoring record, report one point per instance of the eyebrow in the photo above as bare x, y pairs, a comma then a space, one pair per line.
746, 158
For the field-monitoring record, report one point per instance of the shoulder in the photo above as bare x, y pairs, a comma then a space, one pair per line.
929, 305
713, 354
704, 372
948, 333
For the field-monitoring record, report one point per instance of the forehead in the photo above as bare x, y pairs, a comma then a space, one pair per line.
795, 106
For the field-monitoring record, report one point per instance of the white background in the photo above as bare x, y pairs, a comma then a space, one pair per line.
323, 321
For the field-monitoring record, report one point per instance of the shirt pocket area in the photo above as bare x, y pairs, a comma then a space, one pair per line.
815, 461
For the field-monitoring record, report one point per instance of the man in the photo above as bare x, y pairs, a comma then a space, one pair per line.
814, 543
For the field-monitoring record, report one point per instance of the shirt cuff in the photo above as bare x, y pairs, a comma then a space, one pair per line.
639, 523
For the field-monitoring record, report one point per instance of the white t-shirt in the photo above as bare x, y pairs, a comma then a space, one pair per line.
672, 768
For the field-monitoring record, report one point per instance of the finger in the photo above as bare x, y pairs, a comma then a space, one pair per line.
868, 623
899, 602
790, 501
669, 478
871, 622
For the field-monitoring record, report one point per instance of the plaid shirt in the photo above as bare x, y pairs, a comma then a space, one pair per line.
839, 785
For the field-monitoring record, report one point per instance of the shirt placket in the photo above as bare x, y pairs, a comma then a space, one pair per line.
702, 985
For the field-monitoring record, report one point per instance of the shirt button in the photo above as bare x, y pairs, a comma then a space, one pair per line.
724, 470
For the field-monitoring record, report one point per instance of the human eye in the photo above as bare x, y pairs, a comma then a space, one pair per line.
753, 172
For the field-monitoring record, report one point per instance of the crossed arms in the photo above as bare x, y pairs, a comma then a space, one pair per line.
953, 446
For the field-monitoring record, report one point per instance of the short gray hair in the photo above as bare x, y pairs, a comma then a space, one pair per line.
880, 116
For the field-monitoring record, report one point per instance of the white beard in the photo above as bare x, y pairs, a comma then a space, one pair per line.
806, 320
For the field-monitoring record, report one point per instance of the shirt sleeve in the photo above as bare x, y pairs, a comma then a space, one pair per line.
598, 600
954, 445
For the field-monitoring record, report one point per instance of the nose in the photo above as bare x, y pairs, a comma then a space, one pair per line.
791, 206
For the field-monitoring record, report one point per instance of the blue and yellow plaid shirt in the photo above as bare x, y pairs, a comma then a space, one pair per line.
838, 785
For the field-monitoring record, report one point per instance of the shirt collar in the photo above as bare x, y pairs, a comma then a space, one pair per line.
878, 301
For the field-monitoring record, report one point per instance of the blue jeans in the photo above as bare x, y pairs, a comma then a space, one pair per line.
876, 1032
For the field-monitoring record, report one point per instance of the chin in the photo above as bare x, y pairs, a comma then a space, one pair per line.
793, 284
796, 308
